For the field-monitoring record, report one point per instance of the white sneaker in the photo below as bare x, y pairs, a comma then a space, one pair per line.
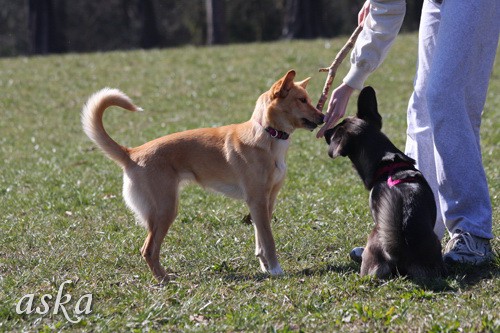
464, 248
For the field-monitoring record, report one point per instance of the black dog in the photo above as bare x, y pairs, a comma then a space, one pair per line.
401, 201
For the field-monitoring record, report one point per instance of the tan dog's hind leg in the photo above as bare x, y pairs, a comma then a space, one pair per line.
160, 217
151, 249
151, 253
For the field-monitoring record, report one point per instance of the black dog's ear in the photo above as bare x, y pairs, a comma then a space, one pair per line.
339, 142
367, 107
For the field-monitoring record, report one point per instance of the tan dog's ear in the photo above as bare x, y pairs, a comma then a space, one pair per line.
281, 88
304, 83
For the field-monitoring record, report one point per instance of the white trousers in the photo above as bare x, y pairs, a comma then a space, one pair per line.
457, 46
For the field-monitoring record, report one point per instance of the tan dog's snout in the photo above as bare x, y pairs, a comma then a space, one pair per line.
320, 119
313, 120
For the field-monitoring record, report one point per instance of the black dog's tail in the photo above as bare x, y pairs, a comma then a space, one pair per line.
412, 249
389, 219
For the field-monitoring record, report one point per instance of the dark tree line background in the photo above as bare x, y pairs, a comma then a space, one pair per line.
58, 26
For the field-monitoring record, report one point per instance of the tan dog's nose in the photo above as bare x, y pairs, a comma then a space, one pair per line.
322, 119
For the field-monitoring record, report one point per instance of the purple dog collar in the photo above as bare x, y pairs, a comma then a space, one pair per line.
277, 134
274, 133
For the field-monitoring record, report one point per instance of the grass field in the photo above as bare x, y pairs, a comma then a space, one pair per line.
63, 218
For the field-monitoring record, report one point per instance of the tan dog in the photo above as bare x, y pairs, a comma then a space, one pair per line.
244, 161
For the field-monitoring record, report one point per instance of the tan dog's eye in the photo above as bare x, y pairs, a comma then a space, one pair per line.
303, 100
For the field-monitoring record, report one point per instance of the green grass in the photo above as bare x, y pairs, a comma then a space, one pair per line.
63, 218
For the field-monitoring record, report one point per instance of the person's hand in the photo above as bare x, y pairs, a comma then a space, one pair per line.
363, 13
336, 107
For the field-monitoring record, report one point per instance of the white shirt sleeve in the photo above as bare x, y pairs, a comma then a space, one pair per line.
380, 28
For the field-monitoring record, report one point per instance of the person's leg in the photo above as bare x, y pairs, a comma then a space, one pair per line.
420, 141
462, 62
456, 91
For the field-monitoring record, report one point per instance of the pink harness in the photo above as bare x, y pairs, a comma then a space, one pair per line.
390, 170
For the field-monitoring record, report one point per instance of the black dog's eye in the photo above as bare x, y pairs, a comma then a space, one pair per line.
303, 100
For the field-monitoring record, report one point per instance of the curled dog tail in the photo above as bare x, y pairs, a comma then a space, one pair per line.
92, 122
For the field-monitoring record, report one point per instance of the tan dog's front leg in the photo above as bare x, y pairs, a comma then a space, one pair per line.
265, 248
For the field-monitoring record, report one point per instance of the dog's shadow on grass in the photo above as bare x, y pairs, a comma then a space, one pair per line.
303, 273
464, 276
350, 268
457, 277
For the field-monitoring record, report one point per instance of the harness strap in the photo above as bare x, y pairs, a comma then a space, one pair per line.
390, 170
